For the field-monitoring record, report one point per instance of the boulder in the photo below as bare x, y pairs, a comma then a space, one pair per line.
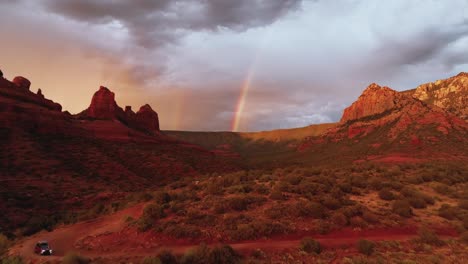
22, 82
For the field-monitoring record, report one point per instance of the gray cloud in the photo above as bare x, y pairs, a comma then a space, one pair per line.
156, 23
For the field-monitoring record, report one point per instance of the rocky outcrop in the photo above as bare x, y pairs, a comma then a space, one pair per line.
146, 118
450, 94
22, 82
23, 94
103, 105
373, 101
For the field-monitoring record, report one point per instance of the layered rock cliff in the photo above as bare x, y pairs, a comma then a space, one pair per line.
450, 94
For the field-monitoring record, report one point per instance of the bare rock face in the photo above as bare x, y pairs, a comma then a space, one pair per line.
450, 94
22, 82
373, 101
103, 105
147, 118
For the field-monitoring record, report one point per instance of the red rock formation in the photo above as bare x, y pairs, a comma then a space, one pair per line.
103, 105
10, 90
373, 101
450, 94
22, 82
147, 118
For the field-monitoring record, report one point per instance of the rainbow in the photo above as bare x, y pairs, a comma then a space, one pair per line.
242, 99
246, 84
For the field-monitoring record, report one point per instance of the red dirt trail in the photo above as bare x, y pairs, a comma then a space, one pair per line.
66, 239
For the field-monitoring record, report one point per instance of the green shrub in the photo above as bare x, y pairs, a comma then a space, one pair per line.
370, 217
357, 221
331, 203
310, 246
151, 213
223, 254
366, 247
241, 203
417, 202
276, 195
463, 204
310, 209
11, 260
427, 236
464, 237
166, 257
339, 219
386, 194
73, 258
402, 208
151, 260
4, 244
162, 197
448, 212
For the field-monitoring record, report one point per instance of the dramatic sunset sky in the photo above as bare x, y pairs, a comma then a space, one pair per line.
231, 64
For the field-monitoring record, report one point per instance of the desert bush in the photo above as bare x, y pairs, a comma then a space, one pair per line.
448, 212
339, 219
402, 208
463, 204
166, 257
161, 197
73, 258
331, 202
352, 210
223, 254
4, 244
182, 231
310, 246
386, 194
261, 189
345, 187
417, 202
309, 209
464, 237
38, 223
427, 236
370, 217
277, 211
276, 195
258, 229
151, 213
357, 221
151, 260
11, 260
366, 247
443, 189
241, 203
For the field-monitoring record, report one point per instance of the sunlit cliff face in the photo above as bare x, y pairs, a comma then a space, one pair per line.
230, 65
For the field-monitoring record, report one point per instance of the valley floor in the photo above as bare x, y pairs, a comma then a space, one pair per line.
89, 239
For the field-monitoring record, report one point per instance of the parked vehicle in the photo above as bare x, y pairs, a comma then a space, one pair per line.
43, 248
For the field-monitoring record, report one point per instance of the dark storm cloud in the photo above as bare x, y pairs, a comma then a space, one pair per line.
155, 23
